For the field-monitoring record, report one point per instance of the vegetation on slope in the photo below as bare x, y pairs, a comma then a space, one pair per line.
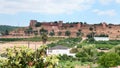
102, 45
69, 42
34, 39
3, 28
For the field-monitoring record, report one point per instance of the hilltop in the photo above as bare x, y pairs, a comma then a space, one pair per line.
7, 27
74, 29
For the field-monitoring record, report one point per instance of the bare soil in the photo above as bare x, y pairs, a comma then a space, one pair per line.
32, 45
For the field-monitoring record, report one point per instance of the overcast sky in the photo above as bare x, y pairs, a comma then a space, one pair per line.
20, 12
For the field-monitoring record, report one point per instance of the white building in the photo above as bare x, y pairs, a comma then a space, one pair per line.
101, 38
59, 49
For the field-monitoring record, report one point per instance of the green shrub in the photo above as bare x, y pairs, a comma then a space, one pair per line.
79, 46
116, 49
109, 60
87, 54
104, 46
36, 39
65, 57
69, 42
101, 53
67, 64
24, 57
74, 50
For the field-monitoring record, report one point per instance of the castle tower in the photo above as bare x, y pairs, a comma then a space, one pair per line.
78, 25
104, 25
32, 23
60, 23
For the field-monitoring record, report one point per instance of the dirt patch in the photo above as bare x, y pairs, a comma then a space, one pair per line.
32, 45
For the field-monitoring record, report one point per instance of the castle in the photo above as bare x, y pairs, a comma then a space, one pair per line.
59, 26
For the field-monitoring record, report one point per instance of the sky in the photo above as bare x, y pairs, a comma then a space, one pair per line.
20, 12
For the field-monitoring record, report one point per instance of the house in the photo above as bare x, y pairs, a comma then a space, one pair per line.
101, 38
59, 49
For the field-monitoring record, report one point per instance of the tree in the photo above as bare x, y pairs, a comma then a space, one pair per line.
24, 57
52, 33
74, 50
91, 29
6, 32
81, 23
38, 24
55, 22
59, 33
78, 33
67, 33
29, 31
44, 38
43, 31
35, 33
85, 23
87, 53
109, 59
116, 49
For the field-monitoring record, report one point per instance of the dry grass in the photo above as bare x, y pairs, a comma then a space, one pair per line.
32, 45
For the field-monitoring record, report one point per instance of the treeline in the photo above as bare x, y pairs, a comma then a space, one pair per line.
3, 28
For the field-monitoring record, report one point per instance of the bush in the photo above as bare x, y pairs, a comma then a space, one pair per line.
102, 35
79, 46
65, 57
116, 49
87, 54
101, 53
103, 46
109, 60
74, 50
67, 64
24, 57
91, 40
69, 42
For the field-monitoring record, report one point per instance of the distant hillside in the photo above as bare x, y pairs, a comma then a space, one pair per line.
6, 27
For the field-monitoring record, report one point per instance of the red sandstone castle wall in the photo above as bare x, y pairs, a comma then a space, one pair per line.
111, 30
